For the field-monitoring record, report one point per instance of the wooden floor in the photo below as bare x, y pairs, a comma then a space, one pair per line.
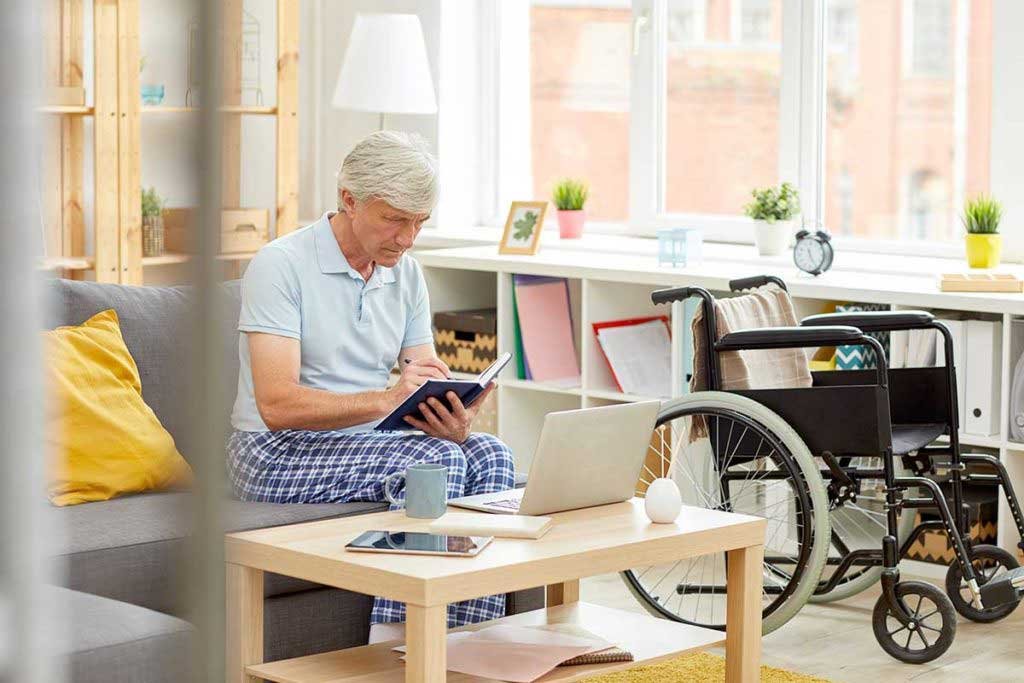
835, 642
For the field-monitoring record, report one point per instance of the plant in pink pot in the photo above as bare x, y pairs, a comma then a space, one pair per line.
569, 197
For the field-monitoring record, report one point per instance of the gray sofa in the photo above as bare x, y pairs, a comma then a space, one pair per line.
122, 559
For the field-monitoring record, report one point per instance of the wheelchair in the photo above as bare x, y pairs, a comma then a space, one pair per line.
838, 470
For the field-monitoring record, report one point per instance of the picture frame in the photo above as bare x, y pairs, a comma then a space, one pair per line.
523, 227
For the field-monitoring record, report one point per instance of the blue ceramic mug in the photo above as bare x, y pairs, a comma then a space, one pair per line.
426, 490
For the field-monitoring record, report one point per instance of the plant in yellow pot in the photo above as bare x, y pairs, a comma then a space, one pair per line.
981, 220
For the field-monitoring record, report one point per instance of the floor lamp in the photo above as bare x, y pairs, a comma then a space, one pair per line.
385, 69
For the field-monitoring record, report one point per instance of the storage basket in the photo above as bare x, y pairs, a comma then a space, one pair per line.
466, 340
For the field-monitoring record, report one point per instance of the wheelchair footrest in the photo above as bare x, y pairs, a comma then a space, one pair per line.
1006, 589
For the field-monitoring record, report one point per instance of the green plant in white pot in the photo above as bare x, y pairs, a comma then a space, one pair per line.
773, 211
983, 241
569, 197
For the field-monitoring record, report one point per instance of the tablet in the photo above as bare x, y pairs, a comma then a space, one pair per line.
416, 543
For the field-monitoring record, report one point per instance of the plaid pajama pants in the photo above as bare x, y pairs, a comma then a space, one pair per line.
299, 466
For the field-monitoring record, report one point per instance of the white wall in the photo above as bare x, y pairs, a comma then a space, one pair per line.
1007, 167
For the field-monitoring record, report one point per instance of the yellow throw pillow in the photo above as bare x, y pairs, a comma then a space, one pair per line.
102, 438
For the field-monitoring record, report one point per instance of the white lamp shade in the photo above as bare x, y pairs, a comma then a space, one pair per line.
385, 69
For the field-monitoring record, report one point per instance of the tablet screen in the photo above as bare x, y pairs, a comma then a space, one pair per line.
418, 543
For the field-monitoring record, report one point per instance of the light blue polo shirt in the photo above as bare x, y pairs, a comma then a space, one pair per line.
351, 331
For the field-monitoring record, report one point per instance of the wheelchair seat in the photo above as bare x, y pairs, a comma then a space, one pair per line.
911, 437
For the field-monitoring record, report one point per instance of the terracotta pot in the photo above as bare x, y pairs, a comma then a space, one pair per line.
570, 224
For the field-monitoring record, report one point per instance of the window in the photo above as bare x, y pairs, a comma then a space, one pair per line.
673, 110
580, 101
911, 147
722, 112
929, 37
756, 20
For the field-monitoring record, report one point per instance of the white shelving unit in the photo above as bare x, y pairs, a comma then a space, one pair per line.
606, 286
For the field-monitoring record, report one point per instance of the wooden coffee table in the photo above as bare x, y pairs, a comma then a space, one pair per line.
581, 543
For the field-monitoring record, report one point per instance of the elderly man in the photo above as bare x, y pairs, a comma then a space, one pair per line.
327, 312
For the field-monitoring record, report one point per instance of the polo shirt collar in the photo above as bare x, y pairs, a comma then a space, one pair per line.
331, 259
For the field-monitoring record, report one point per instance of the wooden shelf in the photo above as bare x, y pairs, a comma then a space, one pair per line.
243, 109
238, 256
66, 109
67, 263
169, 258
166, 259
234, 109
165, 109
649, 639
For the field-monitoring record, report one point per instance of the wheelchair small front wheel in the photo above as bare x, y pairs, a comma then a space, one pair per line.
932, 626
989, 562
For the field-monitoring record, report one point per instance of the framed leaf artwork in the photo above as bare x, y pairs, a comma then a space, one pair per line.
523, 227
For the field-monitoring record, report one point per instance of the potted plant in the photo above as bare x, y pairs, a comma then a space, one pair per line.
983, 241
773, 210
569, 197
152, 223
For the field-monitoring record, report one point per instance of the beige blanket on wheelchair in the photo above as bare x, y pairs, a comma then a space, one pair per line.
768, 306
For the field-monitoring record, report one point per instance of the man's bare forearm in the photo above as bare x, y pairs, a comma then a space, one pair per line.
299, 407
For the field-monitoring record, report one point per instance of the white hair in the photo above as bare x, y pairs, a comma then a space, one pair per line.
393, 166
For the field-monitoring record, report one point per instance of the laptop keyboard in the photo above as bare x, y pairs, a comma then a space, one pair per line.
507, 504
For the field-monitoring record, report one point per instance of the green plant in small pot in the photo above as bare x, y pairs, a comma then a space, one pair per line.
774, 210
569, 197
983, 241
152, 223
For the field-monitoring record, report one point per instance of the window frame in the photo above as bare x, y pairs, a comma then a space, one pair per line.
802, 107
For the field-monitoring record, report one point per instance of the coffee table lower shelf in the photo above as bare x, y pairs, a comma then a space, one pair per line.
648, 638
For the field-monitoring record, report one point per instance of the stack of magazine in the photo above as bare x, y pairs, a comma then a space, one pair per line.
525, 653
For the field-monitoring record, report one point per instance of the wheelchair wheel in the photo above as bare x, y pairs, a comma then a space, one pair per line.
728, 452
989, 562
931, 632
857, 525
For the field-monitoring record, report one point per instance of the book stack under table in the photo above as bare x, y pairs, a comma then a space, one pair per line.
588, 542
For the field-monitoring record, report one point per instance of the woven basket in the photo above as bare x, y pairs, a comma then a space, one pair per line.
152, 235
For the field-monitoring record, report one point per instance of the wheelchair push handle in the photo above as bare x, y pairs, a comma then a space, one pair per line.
667, 296
755, 282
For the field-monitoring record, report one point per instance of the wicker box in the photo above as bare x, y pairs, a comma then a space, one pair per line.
467, 340
983, 504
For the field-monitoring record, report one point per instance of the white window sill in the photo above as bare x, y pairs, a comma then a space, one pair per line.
845, 260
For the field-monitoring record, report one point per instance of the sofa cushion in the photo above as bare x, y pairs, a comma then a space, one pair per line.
153, 323
132, 548
110, 641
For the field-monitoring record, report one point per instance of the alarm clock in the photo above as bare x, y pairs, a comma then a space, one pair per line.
813, 251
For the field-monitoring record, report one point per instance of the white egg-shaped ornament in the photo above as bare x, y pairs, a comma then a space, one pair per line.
663, 501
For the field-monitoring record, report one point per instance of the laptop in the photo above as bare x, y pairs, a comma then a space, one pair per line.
584, 458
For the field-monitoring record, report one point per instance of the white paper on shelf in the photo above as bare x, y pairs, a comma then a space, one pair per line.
514, 653
640, 356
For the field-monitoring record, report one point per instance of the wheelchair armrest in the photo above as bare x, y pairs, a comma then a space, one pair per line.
803, 337
873, 321
789, 337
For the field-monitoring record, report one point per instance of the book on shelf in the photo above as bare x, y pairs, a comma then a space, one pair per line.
639, 354
544, 316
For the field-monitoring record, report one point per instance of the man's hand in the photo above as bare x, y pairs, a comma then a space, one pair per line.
455, 424
415, 373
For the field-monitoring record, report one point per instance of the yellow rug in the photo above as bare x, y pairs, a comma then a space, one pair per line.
697, 668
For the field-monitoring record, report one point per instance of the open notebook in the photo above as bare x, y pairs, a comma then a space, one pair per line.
468, 390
